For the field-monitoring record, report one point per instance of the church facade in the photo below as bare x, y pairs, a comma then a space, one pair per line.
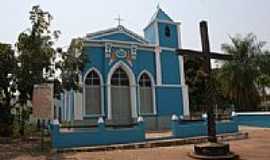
127, 76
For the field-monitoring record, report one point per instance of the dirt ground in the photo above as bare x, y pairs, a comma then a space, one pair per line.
256, 147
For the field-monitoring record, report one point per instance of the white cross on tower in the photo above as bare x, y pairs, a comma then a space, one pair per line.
119, 19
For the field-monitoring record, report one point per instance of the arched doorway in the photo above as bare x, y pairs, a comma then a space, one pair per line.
121, 112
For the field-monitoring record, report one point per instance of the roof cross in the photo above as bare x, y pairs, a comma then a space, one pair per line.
119, 19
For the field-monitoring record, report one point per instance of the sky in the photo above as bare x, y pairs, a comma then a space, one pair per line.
75, 18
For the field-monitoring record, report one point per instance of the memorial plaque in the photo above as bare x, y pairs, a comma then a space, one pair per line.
43, 101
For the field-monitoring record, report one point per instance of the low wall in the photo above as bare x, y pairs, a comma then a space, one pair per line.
183, 130
95, 136
256, 119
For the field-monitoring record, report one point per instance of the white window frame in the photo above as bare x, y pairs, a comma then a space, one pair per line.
132, 85
101, 92
153, 93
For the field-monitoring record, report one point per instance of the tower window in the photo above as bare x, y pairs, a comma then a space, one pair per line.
167, 31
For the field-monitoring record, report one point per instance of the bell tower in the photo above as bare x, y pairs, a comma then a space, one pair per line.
163, 31
165, 34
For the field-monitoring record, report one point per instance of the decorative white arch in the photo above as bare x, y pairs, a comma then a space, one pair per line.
132, 79
101, 92
153, 89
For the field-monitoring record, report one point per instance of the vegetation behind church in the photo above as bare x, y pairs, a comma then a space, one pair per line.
240, 82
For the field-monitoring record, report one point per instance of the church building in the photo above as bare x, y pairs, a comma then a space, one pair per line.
128, 76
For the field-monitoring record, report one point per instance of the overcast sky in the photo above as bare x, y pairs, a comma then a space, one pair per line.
75, 18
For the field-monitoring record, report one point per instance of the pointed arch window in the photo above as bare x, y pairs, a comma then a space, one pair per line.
120, 78
146, 94
92, 94
167, 31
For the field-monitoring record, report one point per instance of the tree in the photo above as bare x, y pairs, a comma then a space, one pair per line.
36, 55
263, 82
8, 65
71, 64
195, 79
238, 76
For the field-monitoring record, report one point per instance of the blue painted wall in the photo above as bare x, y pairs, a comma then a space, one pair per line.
150, 34
145, 60
169, 67
165, 41
169, 101
96, 58
97, 136
255, 120
193, 129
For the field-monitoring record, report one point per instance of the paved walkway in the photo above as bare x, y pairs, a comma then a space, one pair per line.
257, 147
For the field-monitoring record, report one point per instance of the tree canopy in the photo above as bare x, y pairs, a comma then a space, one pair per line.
239, 76
36, 53
8, 67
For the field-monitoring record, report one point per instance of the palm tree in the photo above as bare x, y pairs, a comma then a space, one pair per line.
263, 82
238, 76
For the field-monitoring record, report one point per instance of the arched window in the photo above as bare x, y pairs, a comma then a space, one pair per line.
120, 78
167, 32
146, 94
92, 94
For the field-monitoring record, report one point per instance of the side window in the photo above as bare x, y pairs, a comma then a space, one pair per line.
167, 31
92, 94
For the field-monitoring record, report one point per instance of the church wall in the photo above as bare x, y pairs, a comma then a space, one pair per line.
170, 68
168, 98
96, 57
150, 34
169, 101
145, 60
164, 41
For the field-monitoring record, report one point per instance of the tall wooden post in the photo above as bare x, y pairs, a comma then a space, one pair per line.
207, 67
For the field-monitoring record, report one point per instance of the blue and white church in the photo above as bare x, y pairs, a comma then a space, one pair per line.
128, 75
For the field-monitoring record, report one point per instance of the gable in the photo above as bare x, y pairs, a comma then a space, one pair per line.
117, 34
161, 15
118, 37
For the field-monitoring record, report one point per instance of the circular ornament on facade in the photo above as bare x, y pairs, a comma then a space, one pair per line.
121, 53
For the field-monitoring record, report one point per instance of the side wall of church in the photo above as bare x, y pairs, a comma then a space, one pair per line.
150, 34
170, 68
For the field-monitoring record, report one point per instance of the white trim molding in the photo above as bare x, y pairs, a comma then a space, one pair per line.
101, 92
185, 94
252, 113
153, 90
133, 85
158, 65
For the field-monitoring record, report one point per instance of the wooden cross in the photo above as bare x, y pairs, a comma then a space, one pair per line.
207, 55
119, 19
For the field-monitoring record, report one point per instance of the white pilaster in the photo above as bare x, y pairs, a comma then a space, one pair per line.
185, 95
158, 65
78, 106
